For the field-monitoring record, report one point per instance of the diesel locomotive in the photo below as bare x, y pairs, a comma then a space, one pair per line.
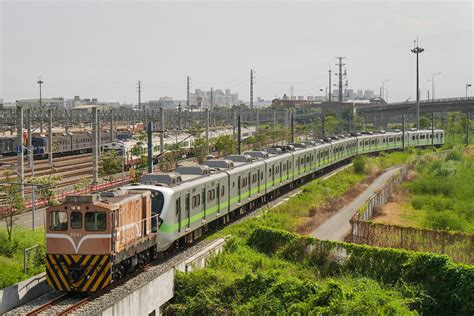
92, 241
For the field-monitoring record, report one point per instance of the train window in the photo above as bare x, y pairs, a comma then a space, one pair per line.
194, 202
222, 190
58, 220
76, 220
95, 221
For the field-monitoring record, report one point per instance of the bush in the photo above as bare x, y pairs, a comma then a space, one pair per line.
359, 164
446, 220
454, 155
449, 286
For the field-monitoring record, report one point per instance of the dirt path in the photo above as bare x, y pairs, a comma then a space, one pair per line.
337, 226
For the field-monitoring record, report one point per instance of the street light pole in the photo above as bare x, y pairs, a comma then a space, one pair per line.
433, 85
40, 82
468, 85
417, 50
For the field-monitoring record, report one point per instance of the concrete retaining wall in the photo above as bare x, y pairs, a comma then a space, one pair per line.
152, 296
23, 292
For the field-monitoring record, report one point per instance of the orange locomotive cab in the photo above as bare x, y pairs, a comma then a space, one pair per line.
92, 241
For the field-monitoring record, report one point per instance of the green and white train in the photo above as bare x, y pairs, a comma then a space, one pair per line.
192, 199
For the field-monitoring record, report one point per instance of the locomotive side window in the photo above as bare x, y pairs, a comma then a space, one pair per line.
58, 220
95, 221
76, 220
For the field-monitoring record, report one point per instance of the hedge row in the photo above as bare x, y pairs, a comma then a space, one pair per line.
449, 285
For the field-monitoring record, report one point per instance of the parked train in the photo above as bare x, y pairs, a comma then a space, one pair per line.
63, 144
92, 242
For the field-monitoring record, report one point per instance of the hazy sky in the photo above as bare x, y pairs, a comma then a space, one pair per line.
101, 49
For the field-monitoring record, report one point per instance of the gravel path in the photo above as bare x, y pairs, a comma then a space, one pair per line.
337, 226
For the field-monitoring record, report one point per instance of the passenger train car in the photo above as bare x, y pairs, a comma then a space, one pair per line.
186, 203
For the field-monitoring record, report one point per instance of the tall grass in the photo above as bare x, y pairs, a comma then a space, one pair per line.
444, 189
11, 254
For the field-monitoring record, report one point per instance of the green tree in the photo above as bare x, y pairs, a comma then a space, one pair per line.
332, 124
83, 182
14, 201
225, 144
45, 186
111, 163
200, 148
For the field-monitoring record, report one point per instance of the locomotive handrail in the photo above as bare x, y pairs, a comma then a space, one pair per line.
120, 231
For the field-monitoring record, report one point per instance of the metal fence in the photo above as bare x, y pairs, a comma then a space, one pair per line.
33, 256
459, 246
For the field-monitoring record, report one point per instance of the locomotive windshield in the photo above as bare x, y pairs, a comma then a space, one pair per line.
58, 220
95, 221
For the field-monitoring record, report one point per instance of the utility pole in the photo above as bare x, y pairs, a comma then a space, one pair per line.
340, 74
212, 98
234, 121
180, 127
19, 149
428, 94
207, 130
330, 87
292, 128
162, 132
40, 82
239, 135
252, 74
95, 147
187, 92
112, 125
139, 95
417, 50
150, 146
432, 130
29, 131
50, 136
403, 132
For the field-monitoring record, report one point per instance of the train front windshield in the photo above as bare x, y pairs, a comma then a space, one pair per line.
157, 202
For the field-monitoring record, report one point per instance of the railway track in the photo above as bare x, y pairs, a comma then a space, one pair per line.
61, 305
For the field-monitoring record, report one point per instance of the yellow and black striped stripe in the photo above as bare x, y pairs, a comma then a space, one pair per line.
78, 273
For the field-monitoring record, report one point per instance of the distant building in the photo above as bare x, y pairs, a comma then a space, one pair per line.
45, 102
201, 98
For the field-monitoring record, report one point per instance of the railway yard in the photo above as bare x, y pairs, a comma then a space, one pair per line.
161, 158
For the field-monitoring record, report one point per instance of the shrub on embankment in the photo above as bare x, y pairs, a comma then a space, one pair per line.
449, 286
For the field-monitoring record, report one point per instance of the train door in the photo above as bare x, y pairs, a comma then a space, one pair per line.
250, 183
204, 201
239, 187
288, 170
272, 170
187, 209
218, 194
281, 173
178, 212
258, 180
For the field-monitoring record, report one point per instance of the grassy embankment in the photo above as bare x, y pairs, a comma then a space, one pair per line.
439, 196
243, 280
11, 255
